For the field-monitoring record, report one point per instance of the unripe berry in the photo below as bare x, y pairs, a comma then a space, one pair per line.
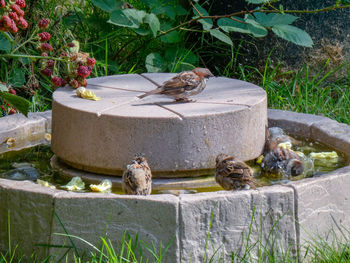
46, 72
91, 61
83, 71
57, 81
64, 54
13, 92
74, 83
46, 47
12, 111
13, 27
14, 16
71, 44
44, 23
22, 23
21, 3
7, 21
50, 63
82, 82
17, 9
44, 54
44, 36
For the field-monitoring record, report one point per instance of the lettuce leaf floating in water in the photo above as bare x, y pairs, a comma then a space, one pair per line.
76, 184
327, 159
86, 94
104, 187
46, 184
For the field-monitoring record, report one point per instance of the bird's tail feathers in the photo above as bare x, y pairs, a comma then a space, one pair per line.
148, 93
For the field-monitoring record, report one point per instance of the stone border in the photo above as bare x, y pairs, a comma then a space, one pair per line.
292, 213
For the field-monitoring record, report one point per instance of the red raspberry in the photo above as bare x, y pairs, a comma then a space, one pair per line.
83, 71
22, 23
7, 21
71, 44
46, 72
74, 83
2, 107
12, 91
91, 61
17, 9
46, 47
57, 81
44, 36
14, 16
21, 3
12, 111
44, 23
50, 63
2, 3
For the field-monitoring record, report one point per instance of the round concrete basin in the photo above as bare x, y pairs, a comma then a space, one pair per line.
178, 139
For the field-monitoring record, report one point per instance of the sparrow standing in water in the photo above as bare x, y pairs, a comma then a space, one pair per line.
280, 160
183, 85
233, 174
137, 178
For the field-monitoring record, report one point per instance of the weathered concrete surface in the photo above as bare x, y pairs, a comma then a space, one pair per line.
26, 132
300, 209
232, 214
91, 216
323, 206
30, 210
177, 138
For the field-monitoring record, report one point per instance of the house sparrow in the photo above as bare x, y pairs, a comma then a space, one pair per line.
280, 160
183, 85
233, 174
137, 178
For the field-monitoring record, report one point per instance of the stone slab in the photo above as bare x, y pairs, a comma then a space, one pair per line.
178, 139
232, 215
90, 216
30, 207
298, 124
323, 206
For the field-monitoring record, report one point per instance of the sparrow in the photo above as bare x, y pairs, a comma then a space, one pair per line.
233, 174
183, 85
137, 178
280, 160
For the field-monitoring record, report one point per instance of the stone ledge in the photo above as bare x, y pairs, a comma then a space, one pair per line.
315, 203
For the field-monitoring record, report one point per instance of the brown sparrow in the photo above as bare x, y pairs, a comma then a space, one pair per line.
183, 85
233, 174
280, 160
137, 178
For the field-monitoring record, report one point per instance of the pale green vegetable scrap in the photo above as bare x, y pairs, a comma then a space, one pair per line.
46, 184
76, 184
104, 187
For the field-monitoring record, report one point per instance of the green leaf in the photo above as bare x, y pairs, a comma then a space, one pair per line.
256, 1
153, 22
3, 87
127, 17
17, 78
164, 10
5, 45
155, 63
254, 27
229, 25
172, 37
206, 23
142, 31
293, 34
179, 10
274, 19
221, 36
108, 5
21, 104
